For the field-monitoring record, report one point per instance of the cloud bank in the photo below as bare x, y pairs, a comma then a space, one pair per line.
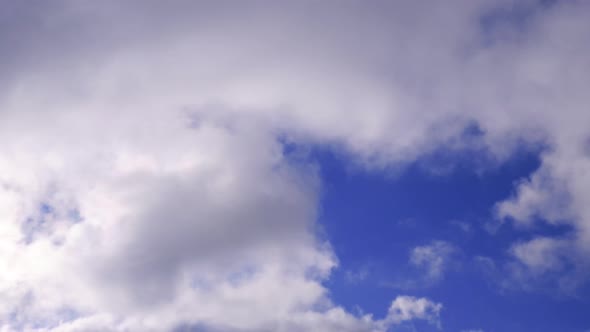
142, 180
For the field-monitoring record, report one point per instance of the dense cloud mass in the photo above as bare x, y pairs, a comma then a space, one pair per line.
143, 185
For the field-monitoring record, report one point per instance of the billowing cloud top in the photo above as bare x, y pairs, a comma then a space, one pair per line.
143, 185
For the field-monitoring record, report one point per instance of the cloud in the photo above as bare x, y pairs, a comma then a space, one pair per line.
428, 265
433, 258
142, 185
462, 225
540, 254
406, 308
359, 275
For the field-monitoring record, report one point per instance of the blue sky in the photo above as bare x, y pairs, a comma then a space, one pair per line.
294, 166
373, 219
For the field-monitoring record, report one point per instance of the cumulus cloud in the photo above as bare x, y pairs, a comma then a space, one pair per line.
540, 254
142, 184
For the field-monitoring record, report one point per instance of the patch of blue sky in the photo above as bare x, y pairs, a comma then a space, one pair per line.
374, 219
496, 23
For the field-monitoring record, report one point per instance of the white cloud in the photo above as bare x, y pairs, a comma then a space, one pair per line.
171, 202
540, 254
142, 185
358, 275
405, 308
433, 258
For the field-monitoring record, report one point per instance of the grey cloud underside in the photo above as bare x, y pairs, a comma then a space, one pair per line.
157, 123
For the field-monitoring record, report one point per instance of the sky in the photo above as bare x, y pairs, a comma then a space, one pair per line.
293, 166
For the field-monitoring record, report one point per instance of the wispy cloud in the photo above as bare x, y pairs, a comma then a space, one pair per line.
433, 258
